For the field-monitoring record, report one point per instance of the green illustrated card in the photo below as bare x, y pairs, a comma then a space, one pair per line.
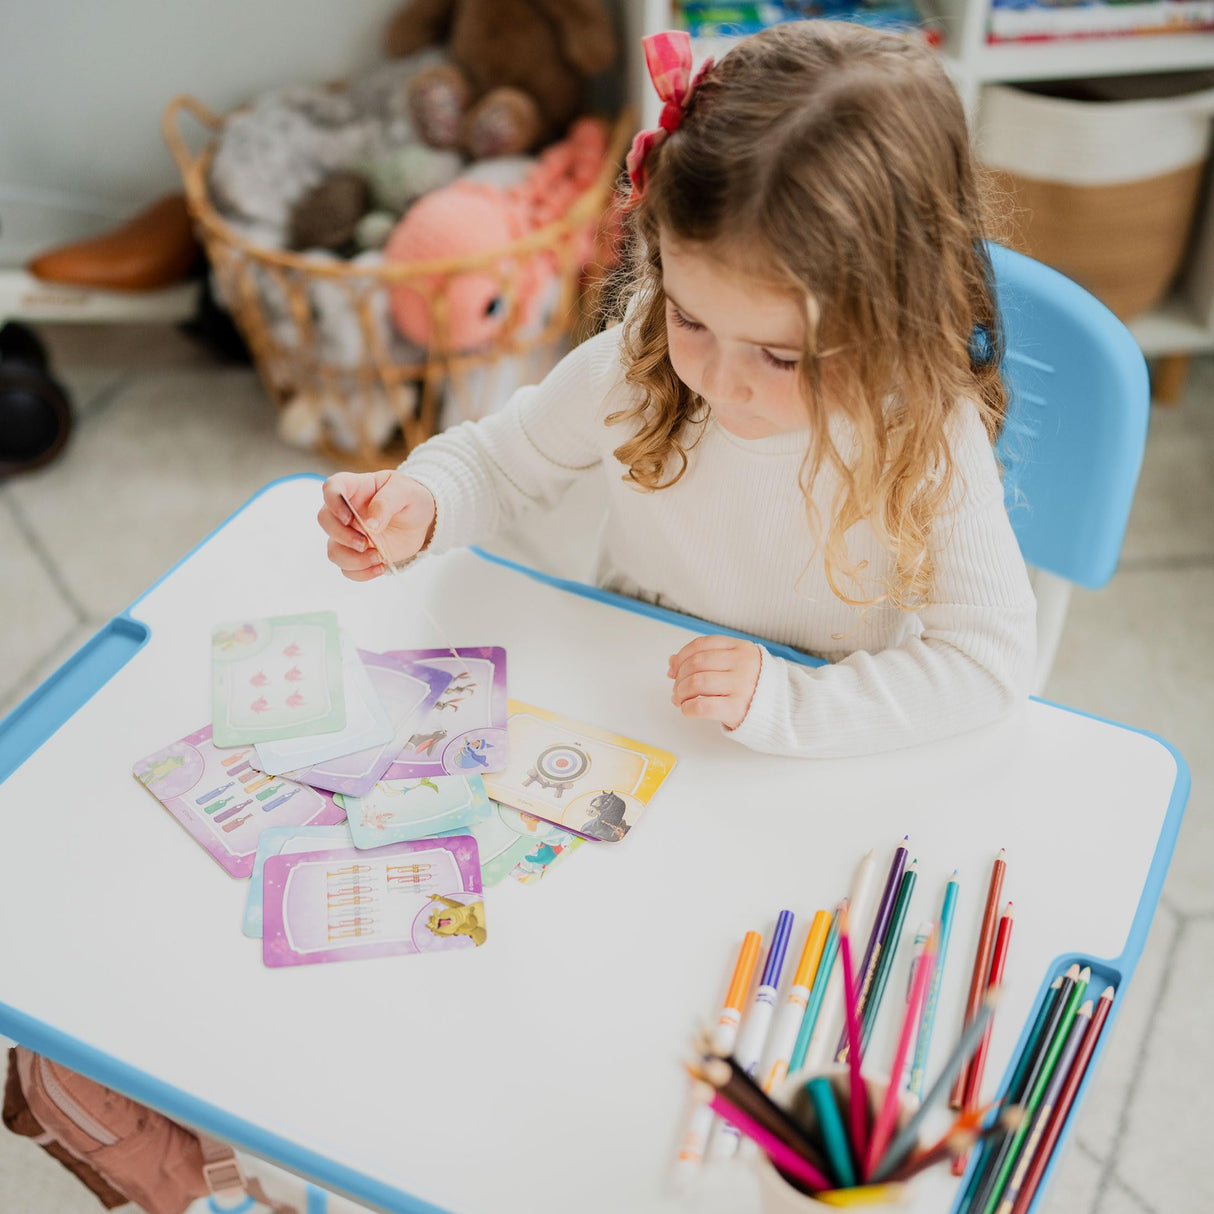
276, 678
396, 811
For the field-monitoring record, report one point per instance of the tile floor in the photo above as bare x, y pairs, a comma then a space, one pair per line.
169, 443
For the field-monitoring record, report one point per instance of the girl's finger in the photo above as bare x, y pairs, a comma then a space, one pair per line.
351, 537
364, 575
703, 683
704, 645
707, 659
349, 561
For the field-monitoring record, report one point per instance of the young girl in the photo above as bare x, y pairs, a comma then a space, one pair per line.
794, 420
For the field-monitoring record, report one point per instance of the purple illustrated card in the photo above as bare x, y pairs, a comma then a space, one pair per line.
224, 802
408, 691
464, 733
418, 897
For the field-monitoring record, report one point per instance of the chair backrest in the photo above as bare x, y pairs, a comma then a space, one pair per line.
1077, 422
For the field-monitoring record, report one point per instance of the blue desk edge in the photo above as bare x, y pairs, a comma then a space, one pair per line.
33, 721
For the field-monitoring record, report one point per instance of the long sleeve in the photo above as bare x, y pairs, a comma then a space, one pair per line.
969, 665
484, 474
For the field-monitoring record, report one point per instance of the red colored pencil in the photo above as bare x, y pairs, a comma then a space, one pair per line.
973, 1082
1062, 1109
859, 1096
982, 960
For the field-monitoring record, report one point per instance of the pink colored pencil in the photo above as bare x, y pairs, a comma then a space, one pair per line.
859, 1097
783, 1156
888, 1116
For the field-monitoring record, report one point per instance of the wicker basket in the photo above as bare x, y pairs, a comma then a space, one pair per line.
289, 358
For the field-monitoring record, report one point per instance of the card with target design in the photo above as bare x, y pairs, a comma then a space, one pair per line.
590, 781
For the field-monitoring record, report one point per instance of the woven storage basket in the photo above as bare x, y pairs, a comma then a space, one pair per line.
291, 361
1104, 190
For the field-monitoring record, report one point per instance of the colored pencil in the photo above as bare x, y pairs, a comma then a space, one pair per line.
855, 1055
883, 1127
923, 1043
821, 1095
877, 936
1070, 1048
906, 1138
982, 959
1066, 1099
922, 933
736, 1086
862, 1195
699, 1125
788, 1026
889, 949
1004, 1160
817, 993
783, 1157
961, 1139
1043, 1029
859, 902
754, 1030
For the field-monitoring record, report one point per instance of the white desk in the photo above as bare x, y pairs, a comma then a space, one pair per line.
540, 1072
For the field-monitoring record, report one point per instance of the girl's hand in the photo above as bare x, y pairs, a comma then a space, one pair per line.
715, 678
398, 510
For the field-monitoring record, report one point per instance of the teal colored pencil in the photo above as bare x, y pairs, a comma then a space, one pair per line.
927, 1023
834, 1136
817, 993
890, 948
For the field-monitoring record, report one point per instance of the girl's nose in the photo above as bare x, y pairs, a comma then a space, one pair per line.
723, 382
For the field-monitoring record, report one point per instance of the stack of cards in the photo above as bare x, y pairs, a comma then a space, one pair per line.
354, 788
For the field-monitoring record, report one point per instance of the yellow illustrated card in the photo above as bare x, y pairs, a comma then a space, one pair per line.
588, 780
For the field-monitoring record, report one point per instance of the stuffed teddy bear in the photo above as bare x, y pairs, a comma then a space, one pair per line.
517, 69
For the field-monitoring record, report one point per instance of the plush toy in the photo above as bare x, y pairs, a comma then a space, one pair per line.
473, 216
517, 72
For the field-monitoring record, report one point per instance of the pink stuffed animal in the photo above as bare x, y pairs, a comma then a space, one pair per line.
469, 217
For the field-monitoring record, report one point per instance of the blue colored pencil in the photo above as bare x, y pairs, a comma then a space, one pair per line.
919, 1066
817, 993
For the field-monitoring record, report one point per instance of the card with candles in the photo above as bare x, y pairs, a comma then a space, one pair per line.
464, 731
417, 897
397, 810
224, 802
407, 690
286, 840
276, 678
589, 781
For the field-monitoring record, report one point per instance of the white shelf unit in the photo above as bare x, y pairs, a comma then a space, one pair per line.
1184, 322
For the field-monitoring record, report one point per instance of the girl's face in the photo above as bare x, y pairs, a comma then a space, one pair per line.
734, 341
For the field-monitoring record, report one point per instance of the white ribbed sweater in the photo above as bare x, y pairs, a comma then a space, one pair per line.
730, 542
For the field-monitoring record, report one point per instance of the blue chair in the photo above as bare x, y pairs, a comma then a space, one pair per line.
1073, 442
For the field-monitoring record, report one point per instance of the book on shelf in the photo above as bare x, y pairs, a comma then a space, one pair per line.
708, 19
1032, 20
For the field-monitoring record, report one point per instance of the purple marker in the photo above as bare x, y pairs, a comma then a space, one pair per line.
227, 813
210, 796
754, 1031
872, 954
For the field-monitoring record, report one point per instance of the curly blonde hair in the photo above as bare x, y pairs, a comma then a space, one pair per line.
835, 158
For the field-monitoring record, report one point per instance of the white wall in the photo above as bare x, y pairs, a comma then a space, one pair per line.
83, 83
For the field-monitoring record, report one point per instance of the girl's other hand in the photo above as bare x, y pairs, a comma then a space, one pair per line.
715, 678
398, 510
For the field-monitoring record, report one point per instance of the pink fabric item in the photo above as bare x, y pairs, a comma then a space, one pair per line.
668, 58
469, 217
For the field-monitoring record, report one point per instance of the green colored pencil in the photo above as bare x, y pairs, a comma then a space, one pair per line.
1006, 1159
817, 993
834, 1136
890, 947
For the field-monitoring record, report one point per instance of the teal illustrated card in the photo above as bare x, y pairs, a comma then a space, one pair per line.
517, 845
276, 678
398, 810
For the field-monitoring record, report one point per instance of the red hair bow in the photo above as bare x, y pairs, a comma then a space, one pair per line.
668, 58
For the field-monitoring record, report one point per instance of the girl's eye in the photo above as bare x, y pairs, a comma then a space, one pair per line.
781, 364
683, 322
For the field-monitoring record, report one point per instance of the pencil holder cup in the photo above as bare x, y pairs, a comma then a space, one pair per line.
778, 1195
